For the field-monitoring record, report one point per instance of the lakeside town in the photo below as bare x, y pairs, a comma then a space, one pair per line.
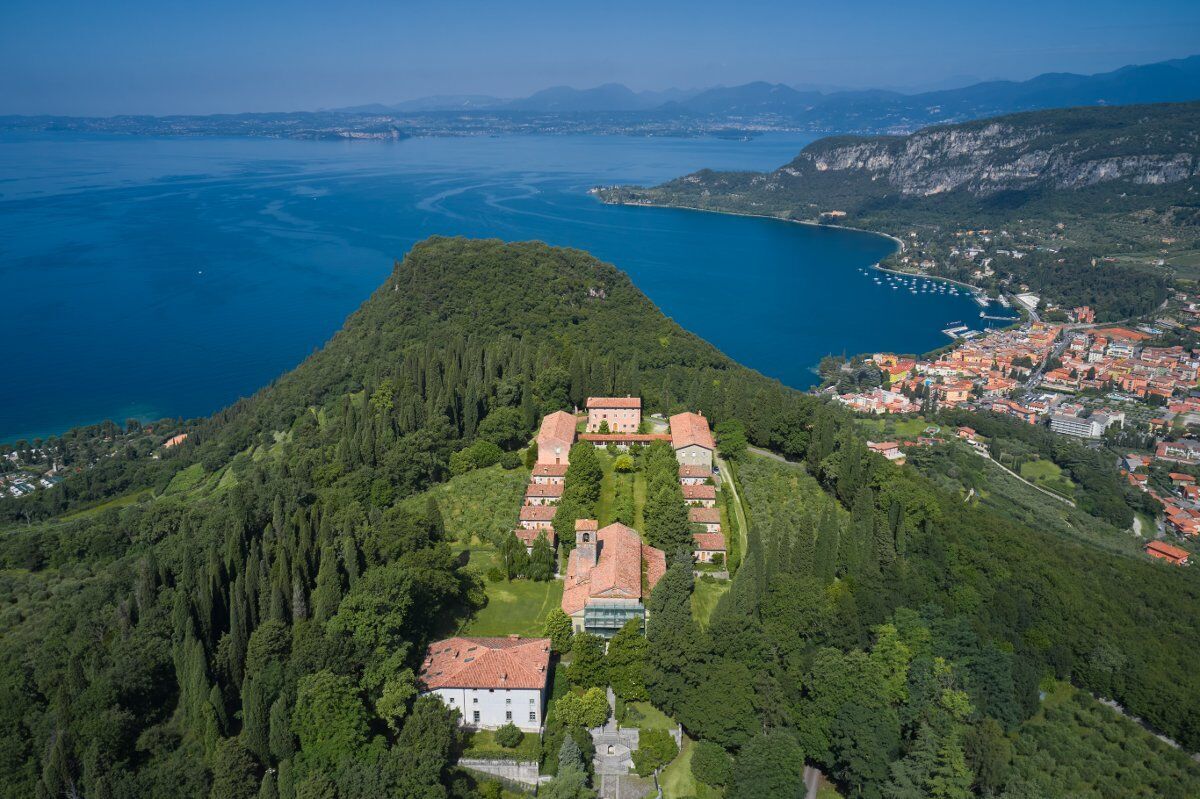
1129, 389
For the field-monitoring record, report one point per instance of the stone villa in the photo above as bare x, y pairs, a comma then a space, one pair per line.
490, 681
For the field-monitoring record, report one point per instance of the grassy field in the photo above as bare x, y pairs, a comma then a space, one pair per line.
185, 479
891, 428
677, 781
646, 716
518, 607
117, 502
482, 743
705, 597
1047, 474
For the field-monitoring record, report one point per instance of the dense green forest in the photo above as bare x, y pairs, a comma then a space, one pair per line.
243, 616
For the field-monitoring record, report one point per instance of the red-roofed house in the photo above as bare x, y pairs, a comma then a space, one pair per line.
543, 493
491, 681
555, 438
692, 440
1179, 478
704, 495
694, 475
537, 517
549, 473
528, 535
622, 414
889, 450
604, 587
1164, 551
709, 546
709, 517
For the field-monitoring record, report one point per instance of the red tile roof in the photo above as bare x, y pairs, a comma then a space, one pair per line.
701, 491
550, 470
690, 428
537, 513
528, 536
544, 490
629, 438
585, 524
512, 662
557, 431
617, 572
1164, 550
614, 402
704, 515
695, 471
709, 542
656, 564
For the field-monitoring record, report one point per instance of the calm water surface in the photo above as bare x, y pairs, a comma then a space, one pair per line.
144, 277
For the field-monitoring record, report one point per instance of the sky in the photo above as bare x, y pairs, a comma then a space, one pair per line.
83, 57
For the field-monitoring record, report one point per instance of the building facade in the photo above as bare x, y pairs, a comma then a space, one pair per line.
490, 681
692, 440
555, 438
614, 414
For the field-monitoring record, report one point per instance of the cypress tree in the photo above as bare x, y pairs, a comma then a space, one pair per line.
350, 559
825, 557
280, 739
328, 593
804, 547
255, 718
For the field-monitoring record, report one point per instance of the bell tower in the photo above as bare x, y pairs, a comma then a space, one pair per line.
585, 540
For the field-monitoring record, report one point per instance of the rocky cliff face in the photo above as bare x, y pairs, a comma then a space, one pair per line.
984, 159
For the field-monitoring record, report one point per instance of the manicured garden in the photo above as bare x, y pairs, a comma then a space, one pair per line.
483, 744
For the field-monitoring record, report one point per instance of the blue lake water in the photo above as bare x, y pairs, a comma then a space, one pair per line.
149, 277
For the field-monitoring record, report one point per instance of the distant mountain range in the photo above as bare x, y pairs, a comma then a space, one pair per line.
857, 110
614, 109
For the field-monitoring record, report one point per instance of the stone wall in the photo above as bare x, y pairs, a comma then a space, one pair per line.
524, 772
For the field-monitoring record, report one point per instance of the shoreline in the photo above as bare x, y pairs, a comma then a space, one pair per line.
896, 240
899, 243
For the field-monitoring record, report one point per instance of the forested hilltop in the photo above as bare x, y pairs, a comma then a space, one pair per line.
1096, 198
243, 616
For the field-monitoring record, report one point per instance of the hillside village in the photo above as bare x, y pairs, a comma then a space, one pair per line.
1130, 389
606, 572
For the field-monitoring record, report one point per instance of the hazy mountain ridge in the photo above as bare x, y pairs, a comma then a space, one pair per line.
616, 109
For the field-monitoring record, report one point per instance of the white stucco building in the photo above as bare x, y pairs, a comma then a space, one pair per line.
490, 681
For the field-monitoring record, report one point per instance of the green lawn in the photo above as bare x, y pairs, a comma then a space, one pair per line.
1047, 474
705, 596
646, 716
893, 428
518, 607
677, 781
482, 744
